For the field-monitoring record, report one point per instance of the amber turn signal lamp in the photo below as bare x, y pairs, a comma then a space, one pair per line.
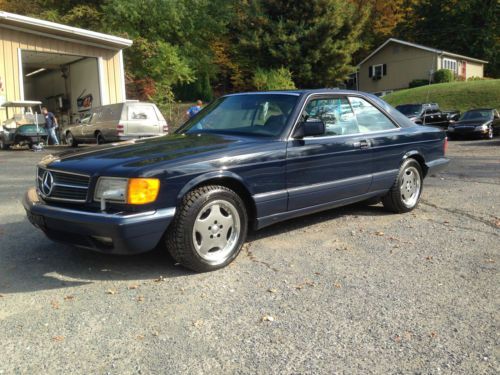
142, 190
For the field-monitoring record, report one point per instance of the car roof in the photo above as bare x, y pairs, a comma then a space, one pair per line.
301, 92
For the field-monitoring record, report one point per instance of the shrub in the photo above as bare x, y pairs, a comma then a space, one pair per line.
418, 83
273, 79
443, 76
474, 78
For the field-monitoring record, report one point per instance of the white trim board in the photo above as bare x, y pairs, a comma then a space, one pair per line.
46, 27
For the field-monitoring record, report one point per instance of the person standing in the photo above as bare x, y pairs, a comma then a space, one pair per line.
191, 112
51, 125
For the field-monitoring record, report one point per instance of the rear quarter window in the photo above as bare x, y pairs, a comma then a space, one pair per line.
142, 112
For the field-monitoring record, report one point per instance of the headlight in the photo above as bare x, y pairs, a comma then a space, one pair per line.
483, 127
113, 189
124, 190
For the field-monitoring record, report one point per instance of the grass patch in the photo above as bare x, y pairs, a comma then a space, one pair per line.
455, 95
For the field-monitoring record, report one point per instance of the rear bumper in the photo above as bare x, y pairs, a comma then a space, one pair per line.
436, 166
108, 233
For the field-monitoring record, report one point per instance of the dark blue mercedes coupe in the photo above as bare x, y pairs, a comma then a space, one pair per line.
245, 161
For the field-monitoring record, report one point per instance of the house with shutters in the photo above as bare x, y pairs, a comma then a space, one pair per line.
396, 63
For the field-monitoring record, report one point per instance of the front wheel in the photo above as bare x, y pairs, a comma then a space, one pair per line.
70, 140
209, 229
3, 145
405, 193
490, 133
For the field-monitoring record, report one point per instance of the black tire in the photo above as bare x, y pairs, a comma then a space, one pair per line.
182, 233
99, 139
395, 200
3, 145
70, 140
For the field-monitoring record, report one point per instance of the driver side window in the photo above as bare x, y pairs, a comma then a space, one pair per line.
336, 113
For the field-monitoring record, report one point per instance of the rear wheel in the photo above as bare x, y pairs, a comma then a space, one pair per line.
209, 229
70, 140
406, 190
99, 139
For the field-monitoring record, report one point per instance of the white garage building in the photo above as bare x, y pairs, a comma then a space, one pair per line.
69, 69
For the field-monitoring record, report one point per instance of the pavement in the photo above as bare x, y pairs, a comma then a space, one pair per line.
354, 290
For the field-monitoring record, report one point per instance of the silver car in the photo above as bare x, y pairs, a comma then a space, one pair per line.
117, 122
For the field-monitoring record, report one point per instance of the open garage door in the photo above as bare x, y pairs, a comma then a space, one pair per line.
68, 85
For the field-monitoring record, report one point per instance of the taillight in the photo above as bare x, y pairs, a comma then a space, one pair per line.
445, 146
165, 129
119, 129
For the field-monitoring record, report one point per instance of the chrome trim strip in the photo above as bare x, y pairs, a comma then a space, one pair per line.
65, 172
329, 184
71, 186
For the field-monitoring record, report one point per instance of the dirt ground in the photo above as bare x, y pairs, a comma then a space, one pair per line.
350, 291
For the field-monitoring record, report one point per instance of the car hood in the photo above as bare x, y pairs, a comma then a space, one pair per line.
144, 156
470, 122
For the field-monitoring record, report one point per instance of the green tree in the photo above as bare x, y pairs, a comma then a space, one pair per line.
314, 39
468, 27
274, 79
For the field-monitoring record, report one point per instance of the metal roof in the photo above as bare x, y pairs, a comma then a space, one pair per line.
419, 46
59, 31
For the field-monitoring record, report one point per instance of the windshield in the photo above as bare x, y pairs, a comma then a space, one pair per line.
410, 109
477, 115
251, 114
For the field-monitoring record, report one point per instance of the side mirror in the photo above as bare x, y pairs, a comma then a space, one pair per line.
310, 128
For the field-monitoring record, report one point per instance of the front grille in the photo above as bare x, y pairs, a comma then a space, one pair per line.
465, 129
62, 186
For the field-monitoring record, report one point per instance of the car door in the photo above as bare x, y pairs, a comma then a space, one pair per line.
332, 167
387, 142
89, 128
78, 130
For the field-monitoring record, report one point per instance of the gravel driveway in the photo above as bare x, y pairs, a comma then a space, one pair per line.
351, 291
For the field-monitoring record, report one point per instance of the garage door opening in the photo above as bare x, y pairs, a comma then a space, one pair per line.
67, 85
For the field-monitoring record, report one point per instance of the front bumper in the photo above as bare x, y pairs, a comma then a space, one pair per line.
119, 233
467, 132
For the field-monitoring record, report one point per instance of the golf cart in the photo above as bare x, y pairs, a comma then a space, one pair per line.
22, 127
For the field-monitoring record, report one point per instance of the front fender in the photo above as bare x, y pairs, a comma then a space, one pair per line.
214, 175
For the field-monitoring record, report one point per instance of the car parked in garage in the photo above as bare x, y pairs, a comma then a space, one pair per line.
117, 122
481, 122
245, 161
24, 125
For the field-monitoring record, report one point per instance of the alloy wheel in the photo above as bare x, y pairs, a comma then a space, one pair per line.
410, 186
216, 231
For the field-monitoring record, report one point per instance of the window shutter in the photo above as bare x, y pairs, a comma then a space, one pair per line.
384, 69
370, 71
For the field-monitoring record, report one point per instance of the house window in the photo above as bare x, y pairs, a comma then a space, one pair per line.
450, 65
377, 71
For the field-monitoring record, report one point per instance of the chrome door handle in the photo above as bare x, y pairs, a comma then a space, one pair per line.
362, 144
